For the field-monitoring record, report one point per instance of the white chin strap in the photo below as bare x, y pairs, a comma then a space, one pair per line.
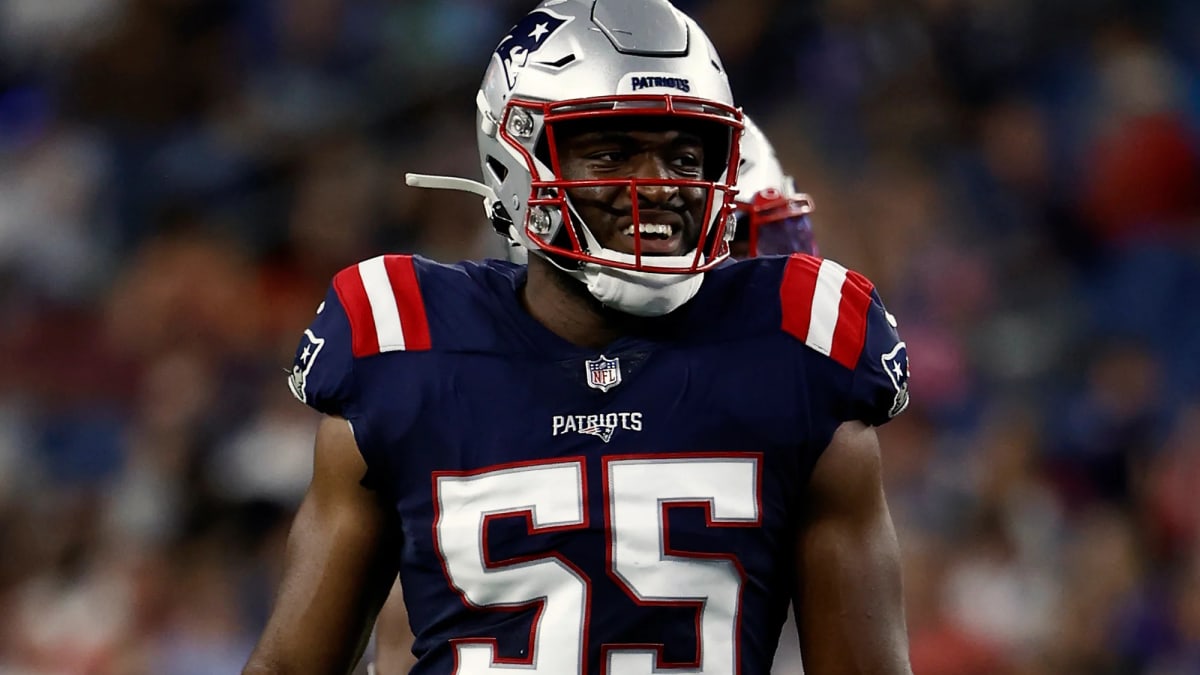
640, 293
634, 292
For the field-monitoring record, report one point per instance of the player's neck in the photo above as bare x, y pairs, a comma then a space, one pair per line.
564, 306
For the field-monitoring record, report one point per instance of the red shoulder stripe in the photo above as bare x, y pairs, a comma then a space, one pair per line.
348, 284
383, 302
851, 332
413, 320
796, 294
825, 306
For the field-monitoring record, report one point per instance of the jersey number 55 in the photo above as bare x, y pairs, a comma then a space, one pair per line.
637, 492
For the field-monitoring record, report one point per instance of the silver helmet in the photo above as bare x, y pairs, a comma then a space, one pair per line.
573, 59
772, 217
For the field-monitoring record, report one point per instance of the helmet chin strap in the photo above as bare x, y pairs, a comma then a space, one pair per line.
424, 180
638, 293
643, 294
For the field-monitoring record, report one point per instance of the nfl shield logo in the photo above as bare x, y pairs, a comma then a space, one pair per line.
603, 373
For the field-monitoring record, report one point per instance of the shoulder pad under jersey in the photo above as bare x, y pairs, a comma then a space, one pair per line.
838, 313
370, 308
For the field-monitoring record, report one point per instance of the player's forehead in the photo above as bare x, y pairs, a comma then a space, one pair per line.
631, 129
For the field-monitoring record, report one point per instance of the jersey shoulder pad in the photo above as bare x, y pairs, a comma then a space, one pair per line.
382, 301
838, 313
825, 307
372, 307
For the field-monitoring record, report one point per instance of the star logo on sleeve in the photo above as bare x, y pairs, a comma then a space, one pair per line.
306, 356
895, 364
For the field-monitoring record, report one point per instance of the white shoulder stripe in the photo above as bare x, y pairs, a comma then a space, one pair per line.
827, 297
383, 304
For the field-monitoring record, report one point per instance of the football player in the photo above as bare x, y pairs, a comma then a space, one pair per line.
625, 456
772, 219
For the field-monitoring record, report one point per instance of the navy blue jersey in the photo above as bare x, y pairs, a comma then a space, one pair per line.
571, 510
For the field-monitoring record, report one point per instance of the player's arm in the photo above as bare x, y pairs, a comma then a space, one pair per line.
848, 591
393, 636
336, 572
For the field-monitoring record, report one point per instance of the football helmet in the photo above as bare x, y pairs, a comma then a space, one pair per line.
591, 59
772, 217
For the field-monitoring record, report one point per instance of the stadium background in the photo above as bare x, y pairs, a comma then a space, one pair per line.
179, 179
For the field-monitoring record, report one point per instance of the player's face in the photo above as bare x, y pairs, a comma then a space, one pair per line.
670, 215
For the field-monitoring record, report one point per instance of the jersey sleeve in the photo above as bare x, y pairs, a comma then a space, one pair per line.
858, 363
880, 386
371, 308
349, 361
322, 374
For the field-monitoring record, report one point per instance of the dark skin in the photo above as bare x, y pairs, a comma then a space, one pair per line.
847, 579
848, 598
337, 571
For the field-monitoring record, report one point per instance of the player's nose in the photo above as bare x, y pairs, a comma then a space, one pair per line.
651, 167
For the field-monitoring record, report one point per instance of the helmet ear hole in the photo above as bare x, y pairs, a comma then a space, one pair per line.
501, 221
499, 171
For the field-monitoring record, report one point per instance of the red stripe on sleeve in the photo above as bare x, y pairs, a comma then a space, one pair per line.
796, 293
348, 284
407, 290
851, 332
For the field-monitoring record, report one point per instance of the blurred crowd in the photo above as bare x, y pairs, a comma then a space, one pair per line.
180, 178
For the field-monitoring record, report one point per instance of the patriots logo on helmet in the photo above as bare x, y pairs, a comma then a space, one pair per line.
526, 38
895, 364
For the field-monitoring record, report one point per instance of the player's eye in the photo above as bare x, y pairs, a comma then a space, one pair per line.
610, 156
687, 163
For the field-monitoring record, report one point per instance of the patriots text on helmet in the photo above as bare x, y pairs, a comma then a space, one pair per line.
654, 81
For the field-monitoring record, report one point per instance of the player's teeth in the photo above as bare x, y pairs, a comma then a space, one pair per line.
650, 228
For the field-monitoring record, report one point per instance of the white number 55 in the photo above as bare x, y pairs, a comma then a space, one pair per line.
637, 493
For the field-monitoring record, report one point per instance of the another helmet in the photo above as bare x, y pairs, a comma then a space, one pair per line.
574, 59
772, 218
